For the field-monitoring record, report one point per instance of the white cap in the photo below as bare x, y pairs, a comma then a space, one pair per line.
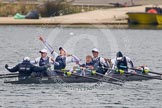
43, 51
95, 50
119, 58
26, 59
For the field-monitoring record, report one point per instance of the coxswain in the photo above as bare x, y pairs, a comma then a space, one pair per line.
25, 68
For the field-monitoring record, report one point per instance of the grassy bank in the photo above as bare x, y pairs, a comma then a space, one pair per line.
10, 9
47, 9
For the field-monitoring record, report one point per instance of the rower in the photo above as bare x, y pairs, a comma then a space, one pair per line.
60, 61
100, 64
69, 57
25, 68
44, 60
121, 62
89, 64
144, 69
85, 68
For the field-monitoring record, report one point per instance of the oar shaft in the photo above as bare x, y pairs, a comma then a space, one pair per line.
146, 76
155, 73
110, 77
9, 74
148, 72
102, 79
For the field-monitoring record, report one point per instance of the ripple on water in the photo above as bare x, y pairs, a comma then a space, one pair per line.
143, 46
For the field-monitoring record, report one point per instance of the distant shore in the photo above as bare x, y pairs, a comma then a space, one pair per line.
115, 16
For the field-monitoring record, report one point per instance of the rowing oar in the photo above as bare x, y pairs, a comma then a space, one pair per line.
148, 71
115, 79
9, 74
110, 77
146, 76
102, 79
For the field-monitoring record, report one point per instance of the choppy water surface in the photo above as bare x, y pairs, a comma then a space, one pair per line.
143, 46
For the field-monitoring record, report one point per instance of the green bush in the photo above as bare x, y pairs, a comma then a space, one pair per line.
54, 8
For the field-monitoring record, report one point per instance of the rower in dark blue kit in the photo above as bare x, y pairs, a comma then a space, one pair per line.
85, 68
122, 62
25, 68
100, 63
89, 64
60, 61
44, 60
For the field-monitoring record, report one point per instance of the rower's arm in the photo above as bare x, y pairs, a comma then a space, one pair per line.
102, 61
75, 59
131, 64
53, 53
39, 69
113, 61
72, 58
129, 61
36, 61
49, 47
14, 69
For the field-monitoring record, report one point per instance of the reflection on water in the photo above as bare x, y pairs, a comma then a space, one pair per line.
143, 46
147, 27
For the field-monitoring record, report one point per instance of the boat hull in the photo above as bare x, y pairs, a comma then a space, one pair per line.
74, 79
142, 18
159, 19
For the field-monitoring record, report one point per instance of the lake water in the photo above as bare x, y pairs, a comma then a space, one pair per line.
142, 46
